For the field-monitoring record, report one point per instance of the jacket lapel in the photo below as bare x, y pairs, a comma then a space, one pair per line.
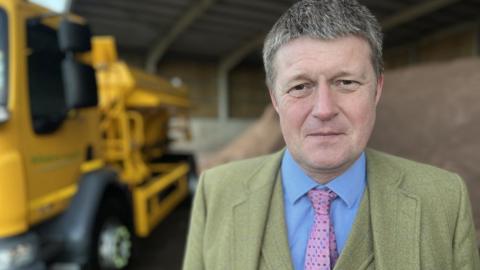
358, 251
275, 249
395, 216
251, 213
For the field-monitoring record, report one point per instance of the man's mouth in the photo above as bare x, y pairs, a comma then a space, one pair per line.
325, 133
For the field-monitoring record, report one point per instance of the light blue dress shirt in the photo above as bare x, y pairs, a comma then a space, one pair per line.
349, 187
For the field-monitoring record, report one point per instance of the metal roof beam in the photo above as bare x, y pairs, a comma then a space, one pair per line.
229, 61
116, 8
414, 12
150, 21
232, 23
162, 42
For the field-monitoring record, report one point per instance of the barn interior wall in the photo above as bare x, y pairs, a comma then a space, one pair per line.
459, 41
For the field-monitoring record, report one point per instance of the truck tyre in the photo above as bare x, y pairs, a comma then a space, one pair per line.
112, 239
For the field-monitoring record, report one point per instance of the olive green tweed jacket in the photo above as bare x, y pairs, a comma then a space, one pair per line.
412, 217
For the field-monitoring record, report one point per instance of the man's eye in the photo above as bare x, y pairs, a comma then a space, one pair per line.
347, 85
299, 87
300, 90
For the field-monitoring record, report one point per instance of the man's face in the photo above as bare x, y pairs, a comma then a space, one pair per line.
325, 92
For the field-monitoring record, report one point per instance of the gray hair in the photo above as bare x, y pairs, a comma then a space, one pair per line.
325, 20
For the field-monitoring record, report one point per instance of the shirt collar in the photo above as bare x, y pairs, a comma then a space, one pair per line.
349, 186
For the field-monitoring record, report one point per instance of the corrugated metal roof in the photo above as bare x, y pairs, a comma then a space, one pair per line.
227, 24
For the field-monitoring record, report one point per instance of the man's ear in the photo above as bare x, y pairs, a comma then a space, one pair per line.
273, 98
379, 90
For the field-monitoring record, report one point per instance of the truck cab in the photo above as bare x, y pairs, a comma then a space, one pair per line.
47, 112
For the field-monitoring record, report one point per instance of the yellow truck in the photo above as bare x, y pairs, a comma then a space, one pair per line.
84, 160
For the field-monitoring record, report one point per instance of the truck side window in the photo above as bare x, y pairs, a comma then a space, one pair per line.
47, 100
3, 58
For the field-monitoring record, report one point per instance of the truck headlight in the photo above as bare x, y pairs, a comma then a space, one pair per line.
17, 252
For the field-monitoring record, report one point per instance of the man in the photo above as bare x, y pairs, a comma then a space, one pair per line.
326, 202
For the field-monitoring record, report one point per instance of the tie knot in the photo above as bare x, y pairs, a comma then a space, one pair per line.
321, 200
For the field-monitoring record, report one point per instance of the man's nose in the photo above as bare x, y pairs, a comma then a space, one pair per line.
324, 103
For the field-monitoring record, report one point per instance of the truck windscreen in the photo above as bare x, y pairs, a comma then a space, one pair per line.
3, 57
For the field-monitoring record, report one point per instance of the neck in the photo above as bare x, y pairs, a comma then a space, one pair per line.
325, 175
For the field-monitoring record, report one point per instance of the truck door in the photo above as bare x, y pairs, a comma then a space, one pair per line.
56, 140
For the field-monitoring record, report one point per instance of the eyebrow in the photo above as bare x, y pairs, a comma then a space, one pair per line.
300, 76
343, 73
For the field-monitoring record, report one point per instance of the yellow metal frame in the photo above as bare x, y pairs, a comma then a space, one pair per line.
123, 142
128, 101
149, 209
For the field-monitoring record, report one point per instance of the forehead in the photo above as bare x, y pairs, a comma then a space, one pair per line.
350, 52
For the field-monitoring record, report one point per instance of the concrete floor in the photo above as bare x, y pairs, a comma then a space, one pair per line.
164, 249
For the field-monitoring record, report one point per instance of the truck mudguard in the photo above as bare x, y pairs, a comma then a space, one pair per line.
74, 227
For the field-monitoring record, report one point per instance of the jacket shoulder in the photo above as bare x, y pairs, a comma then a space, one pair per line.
240, 176
409, 166
237, 168
422, 179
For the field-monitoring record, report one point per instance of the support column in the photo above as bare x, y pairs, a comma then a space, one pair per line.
163, 41
226, 65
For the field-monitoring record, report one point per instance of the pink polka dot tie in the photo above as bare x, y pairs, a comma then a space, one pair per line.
321, 247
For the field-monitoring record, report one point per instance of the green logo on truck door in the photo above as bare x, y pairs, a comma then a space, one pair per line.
52, 162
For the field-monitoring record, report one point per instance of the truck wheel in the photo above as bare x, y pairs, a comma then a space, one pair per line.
113, 237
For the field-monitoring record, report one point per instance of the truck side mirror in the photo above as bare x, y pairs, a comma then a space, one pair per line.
74, 37
79, 83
